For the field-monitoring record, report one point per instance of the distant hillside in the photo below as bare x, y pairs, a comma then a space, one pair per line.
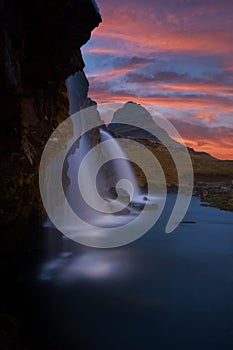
207, 169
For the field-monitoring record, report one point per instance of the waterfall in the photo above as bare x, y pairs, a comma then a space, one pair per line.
95, 6
101, 191
128, 187
121, 165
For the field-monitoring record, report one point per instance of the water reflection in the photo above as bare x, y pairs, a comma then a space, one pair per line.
159, 291
67, 262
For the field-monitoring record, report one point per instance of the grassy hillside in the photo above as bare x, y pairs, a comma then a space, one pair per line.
211, 175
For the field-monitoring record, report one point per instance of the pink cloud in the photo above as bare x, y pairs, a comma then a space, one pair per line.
195, 39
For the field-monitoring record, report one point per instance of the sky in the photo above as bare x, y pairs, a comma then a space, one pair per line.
174, 55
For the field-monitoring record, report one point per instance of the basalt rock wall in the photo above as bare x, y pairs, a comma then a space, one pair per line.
39, 48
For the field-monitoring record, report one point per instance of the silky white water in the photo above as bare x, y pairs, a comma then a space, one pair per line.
123, 174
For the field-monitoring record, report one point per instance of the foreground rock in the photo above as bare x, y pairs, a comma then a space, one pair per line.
40, 47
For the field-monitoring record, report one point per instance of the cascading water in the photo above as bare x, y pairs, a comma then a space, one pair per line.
78, 87
95, 6
121, 167
123, 172
100, 187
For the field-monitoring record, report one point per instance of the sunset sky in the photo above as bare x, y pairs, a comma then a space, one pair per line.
176, 55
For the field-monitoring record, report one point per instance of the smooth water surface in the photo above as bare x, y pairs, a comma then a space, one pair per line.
160, 292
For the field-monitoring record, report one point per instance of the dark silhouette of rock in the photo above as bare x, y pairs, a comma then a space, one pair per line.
40, 47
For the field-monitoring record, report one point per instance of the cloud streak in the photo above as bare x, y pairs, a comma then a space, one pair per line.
174, 54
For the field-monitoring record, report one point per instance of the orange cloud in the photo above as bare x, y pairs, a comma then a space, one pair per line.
175, 32
206, 115
183, 30
101, 50
217, 42
177, 101
216, 149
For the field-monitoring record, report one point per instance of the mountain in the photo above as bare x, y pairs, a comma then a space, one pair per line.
134, 121
211, 175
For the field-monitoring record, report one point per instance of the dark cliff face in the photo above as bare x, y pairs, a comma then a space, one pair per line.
39, 48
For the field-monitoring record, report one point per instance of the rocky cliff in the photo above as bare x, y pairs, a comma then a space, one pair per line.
40, 47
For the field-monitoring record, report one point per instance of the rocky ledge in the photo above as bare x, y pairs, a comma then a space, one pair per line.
215, 196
